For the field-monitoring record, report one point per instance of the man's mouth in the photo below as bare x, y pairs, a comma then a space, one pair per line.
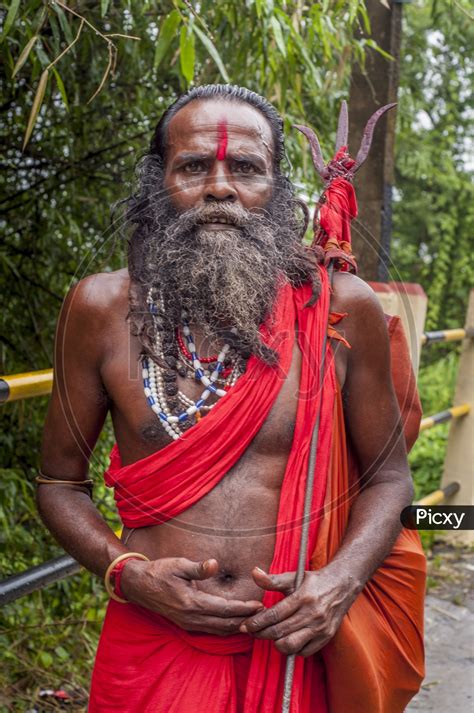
218, 225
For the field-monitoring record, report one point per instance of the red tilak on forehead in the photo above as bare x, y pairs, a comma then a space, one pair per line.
221, 140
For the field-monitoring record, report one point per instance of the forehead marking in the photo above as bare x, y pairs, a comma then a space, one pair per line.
221, 140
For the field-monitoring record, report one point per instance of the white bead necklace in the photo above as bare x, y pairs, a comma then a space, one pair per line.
153, 382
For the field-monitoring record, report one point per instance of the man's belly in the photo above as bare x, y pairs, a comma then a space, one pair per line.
234, 524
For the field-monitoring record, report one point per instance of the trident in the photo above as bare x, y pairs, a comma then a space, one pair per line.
327, 172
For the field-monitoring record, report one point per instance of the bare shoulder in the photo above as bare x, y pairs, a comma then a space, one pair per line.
98, 293
353, 294
365, 324
90, 310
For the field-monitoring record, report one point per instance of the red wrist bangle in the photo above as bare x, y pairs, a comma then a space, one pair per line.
116, 573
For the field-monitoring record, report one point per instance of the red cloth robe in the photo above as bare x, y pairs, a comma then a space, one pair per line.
146, 663
166, 483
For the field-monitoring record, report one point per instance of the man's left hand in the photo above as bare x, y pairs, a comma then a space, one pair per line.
307, 618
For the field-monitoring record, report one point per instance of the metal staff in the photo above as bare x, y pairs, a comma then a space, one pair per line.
300, 572
327, 172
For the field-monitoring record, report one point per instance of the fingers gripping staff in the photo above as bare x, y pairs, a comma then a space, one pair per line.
336, 207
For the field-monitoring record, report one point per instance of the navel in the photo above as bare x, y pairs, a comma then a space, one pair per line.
226, 577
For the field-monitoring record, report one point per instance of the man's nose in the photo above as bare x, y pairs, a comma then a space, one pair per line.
218, 184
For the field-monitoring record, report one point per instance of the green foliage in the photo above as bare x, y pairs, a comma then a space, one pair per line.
166, 36
436, 383
434, 214
47, 639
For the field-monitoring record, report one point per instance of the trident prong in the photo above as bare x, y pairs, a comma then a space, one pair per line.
329, 170
368, 135
342, 127
316, 152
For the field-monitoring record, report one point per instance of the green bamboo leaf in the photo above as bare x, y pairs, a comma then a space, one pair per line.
54, 25
187, 54
264, 7
365, 18
37, 101
316, 73
208, 44
24, 55
61, 87
166, 36
65, 26
283, 17
42, 56
10, 18
104, 6
375, 46
278, 34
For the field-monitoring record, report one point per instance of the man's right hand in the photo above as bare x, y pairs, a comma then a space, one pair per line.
168, 586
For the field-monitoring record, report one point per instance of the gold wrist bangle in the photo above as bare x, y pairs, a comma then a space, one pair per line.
108, 587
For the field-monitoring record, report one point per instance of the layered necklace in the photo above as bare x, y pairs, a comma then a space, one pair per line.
175, 411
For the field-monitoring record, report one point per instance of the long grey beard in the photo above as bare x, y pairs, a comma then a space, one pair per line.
222, 278
239, 279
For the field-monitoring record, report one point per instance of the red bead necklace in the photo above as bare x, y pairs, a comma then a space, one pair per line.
185, 351
204, 360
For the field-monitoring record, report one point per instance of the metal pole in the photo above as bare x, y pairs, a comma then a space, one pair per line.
440, 496
300, 572
25, 386
36, 578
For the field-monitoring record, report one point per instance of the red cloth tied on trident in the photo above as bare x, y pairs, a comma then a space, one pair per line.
166, 483
339, 207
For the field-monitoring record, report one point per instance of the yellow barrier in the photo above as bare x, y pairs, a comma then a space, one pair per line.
443, 416
25, 386
438, 497
446, 335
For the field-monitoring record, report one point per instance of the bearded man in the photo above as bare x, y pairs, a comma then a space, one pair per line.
207, 353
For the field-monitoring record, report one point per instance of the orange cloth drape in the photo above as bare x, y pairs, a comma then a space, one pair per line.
375, 662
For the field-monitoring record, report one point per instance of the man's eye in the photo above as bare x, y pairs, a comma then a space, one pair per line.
194, 167
245, 167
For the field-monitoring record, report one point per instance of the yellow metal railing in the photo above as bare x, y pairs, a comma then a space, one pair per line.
443, 416
438, 497
25, 386
446, 335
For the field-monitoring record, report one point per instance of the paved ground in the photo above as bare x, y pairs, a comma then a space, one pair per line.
449, 635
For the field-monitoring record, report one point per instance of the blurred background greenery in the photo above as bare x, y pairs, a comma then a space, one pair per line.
84, 84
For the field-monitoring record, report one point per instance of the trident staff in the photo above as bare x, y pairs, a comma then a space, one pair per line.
341, 166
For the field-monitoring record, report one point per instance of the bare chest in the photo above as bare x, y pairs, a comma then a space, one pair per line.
139, 432
137, 429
